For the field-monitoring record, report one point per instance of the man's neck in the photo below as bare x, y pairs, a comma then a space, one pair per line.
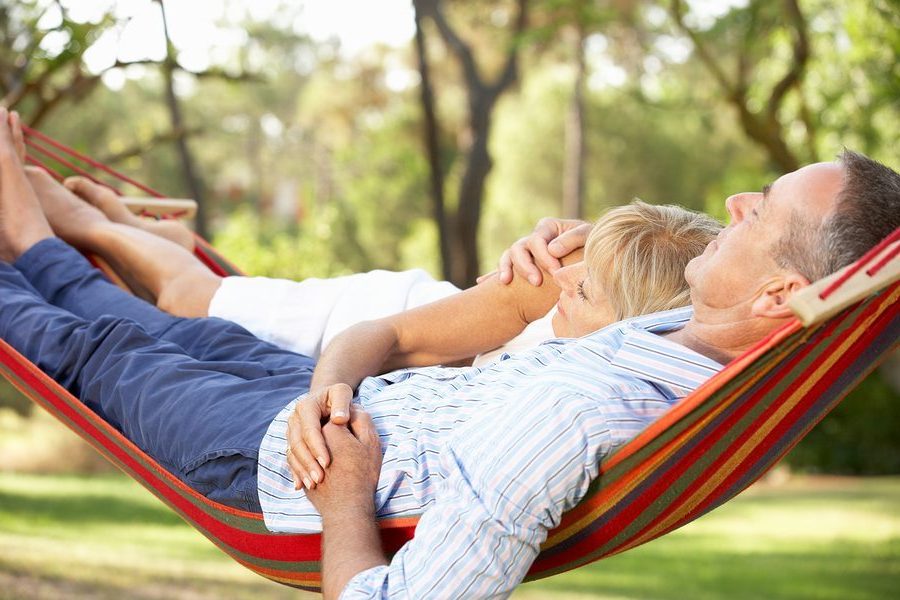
721, 341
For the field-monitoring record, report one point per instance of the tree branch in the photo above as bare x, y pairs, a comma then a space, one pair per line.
676, 9
801, 54
463, 52
510, 70
140, 148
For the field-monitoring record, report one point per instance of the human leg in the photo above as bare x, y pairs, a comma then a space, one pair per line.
172, 276
65, 279
202, 420
178, 409
109, 203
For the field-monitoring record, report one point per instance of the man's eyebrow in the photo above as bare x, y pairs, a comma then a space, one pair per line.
766, 189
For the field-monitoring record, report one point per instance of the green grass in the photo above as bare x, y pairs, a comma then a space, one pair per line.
104, 537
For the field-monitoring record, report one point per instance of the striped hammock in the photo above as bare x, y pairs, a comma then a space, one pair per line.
702, 453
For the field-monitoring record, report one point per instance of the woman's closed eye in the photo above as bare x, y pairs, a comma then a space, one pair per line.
581, 293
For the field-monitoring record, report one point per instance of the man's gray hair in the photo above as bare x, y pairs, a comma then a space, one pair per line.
867, 211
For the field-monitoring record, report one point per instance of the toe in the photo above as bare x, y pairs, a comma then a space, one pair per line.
86, 189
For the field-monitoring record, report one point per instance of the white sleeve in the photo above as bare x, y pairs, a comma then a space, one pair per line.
510, 480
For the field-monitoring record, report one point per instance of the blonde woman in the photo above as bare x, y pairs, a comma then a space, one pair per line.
633, 264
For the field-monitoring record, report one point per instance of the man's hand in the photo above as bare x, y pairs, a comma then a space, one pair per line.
551, 240
350, 540
308, 453
349, 489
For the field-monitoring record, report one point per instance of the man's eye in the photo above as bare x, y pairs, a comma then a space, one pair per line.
581, 290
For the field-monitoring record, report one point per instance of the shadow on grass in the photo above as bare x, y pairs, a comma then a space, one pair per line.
18, 583
845, 571
85, 509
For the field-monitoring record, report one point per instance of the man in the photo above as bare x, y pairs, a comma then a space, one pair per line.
473, 541
516, 443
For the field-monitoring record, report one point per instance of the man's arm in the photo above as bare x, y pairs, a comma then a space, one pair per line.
350, 539
486, 525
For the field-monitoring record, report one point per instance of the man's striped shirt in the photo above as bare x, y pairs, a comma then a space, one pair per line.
492, 456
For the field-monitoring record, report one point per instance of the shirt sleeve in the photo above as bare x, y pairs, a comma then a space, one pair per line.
511, 473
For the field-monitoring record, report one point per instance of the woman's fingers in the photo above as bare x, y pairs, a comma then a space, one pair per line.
307, 452
570, 240
337, 400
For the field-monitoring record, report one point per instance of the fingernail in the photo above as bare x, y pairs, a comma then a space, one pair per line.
339, 414
307, 482
533, 280
321, 461
317, 477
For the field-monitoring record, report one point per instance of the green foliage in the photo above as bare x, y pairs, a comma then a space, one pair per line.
861, 436
265, 249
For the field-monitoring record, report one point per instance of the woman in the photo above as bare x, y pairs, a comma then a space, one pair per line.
633, 265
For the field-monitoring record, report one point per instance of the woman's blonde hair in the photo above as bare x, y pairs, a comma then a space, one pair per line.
636, 255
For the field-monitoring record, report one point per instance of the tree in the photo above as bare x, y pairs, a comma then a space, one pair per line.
462, 228
41, 68
765, 125
191, 177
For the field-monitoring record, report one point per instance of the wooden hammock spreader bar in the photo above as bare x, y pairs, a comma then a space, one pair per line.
161, 207
868, 276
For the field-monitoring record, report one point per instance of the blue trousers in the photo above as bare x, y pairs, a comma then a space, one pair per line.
195, 394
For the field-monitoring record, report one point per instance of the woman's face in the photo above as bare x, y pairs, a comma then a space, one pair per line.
582, 307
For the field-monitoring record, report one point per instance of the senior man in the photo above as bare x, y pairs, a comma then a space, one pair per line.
507, 475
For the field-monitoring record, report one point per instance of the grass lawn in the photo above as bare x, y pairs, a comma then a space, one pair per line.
105, 537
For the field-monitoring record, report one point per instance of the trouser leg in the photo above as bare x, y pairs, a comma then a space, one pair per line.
202, 420
67, 280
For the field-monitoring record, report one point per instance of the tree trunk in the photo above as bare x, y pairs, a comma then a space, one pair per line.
433, 148
573, 170
191, 178
482, 97
471, 196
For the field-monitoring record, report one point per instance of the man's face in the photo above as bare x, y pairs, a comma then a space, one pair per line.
739, 263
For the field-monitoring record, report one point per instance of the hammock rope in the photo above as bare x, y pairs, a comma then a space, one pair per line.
701, 453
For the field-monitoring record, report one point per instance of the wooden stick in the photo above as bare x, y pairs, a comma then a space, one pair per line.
160, 207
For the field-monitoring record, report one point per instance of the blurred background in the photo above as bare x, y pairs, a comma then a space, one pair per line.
323, 137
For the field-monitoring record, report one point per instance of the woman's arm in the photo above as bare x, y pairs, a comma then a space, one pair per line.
458, 327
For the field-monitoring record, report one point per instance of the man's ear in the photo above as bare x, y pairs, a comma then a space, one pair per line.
772, 301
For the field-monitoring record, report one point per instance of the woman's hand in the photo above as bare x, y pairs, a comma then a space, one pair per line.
307, 452
551, 240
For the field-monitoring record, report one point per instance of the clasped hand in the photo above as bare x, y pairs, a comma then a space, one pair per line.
347, 446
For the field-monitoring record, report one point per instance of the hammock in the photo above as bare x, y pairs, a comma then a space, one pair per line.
700, 454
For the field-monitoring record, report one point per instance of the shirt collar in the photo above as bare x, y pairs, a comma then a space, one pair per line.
675, 369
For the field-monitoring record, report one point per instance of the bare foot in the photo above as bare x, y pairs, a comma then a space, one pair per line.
74, 221
22, 223
109, 203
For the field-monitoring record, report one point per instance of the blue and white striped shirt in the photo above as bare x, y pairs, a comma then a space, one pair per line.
492, 456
